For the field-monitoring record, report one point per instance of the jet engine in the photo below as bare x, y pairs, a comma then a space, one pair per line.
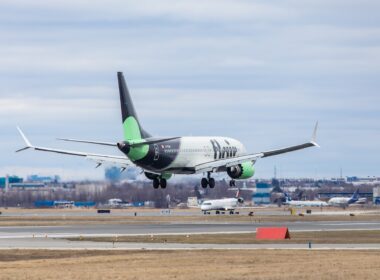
244, 170
151, 176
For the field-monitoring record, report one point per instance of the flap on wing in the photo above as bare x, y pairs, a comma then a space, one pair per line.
121, 162
149, 141
288, 149
212, 166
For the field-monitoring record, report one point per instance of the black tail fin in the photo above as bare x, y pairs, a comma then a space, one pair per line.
131, 124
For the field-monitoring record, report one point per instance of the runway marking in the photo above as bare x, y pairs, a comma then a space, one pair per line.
69, 235
192, 248
351, 224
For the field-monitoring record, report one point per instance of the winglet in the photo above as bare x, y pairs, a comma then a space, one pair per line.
314, 136
27, 142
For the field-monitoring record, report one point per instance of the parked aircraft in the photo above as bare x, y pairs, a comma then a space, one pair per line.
225, 204
161, 157
346, 201
307, 203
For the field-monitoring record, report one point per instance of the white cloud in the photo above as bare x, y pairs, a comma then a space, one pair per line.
196, 10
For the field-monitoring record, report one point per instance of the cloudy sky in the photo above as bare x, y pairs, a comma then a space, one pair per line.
260, 71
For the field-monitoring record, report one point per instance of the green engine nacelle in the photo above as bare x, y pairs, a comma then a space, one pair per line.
244, 170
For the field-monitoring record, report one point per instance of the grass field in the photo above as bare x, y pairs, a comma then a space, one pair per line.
157, 265
319, 237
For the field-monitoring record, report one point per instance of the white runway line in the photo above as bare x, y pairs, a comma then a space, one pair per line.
176, 246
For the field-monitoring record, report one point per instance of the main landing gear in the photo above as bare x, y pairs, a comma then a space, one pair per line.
208, 181
159, 182
232, 183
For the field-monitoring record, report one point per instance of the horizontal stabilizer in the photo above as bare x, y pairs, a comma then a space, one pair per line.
88, 142
153, 141
147, 141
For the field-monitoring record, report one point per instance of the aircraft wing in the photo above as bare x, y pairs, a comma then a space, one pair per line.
121, 161
216, 165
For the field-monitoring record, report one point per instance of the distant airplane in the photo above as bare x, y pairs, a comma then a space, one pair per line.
118, 203
225, 204
161, 157
346, 201
307, 203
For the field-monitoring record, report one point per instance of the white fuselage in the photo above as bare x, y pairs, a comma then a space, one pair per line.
198, 150
309, 203
220, 204
339, 201
346, 201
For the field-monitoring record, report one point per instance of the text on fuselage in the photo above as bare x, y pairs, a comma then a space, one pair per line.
221, 152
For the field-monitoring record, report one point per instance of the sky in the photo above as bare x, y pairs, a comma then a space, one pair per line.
262, 72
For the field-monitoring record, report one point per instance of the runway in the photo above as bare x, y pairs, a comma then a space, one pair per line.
173, 228
53, 236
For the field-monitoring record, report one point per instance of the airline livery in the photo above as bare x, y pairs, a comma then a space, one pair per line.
160, 157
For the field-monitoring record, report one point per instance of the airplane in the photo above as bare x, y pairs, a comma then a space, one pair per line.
225, 204
162, 157
307, 203
346, 201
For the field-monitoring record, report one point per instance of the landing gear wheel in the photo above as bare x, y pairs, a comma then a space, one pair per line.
156, 183
204, 183
232, 183
163, 183
211, 183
